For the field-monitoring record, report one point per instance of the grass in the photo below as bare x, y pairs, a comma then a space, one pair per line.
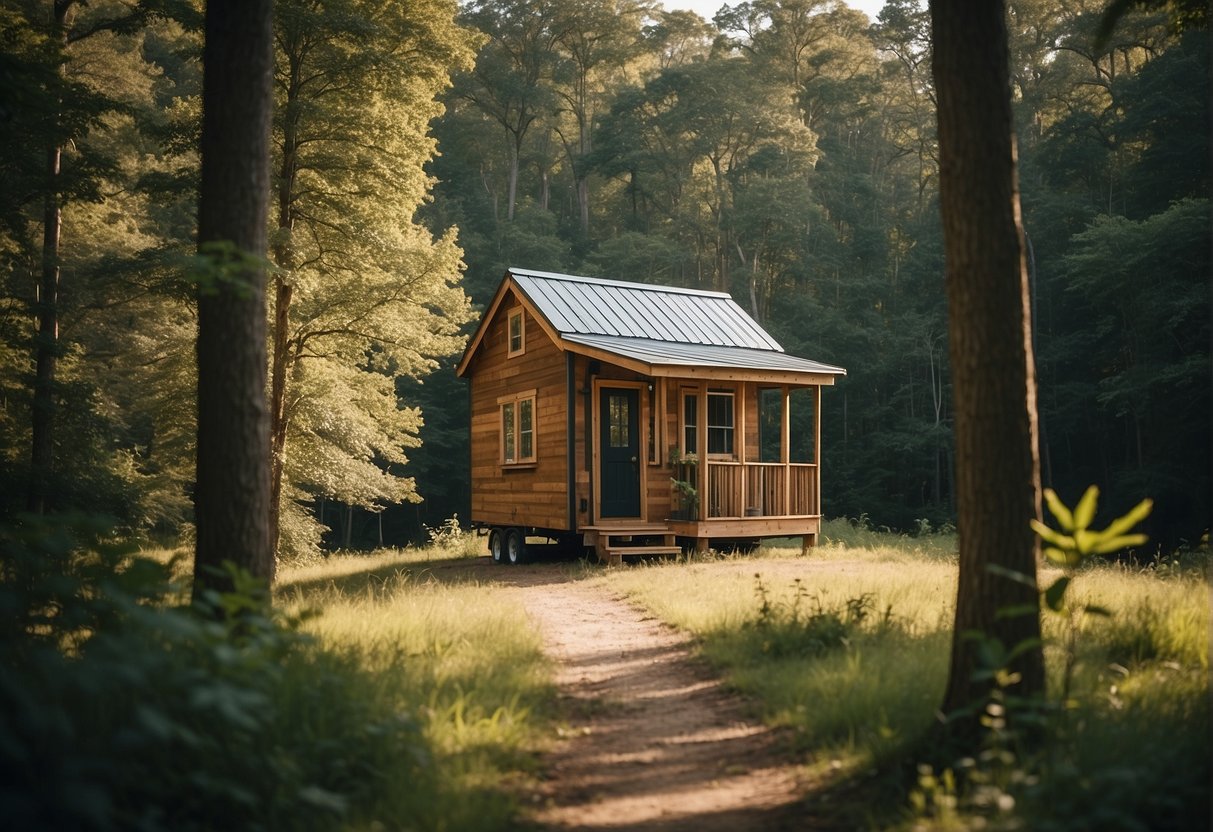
857, 692
452, 653
846, 649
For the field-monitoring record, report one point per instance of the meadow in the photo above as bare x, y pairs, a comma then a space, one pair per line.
848, 650
403, 689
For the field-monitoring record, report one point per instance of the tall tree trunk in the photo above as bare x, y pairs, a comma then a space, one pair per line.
46, 342
993, 379
279, 422
284, 258
231, 497
512, 194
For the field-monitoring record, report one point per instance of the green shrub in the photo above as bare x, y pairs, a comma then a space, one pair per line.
120, 710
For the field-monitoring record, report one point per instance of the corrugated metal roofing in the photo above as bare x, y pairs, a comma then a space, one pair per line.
592, 306
670, 354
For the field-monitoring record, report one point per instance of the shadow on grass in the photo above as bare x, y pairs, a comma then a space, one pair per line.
383, 573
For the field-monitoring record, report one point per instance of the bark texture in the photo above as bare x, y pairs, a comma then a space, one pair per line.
46, 342
994, 386
232, 492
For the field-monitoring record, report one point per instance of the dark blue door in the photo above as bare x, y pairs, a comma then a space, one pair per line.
619, 422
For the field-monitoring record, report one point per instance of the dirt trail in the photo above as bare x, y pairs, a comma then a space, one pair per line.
654, 743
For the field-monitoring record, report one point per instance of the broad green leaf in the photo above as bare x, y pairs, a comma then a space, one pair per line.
1015, 611
1055, 595
1085, 540
1059, 510
1134, 516
1050, 536
1062, 557
1084, 512
1115, 544
1023, 647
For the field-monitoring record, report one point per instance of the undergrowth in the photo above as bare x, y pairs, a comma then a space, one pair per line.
848, 649
123, 707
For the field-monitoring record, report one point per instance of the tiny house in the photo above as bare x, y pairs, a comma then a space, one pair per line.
630, 417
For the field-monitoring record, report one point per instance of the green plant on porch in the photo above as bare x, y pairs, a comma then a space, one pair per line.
684, 482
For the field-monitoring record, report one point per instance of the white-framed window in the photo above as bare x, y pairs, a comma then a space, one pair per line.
720, 423
515, 332
518, 428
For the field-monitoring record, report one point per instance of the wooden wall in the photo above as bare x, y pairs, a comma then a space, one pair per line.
521, 495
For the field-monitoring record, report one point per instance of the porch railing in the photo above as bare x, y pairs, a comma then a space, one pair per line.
761, 489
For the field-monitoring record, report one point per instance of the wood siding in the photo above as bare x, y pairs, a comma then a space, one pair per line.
537, 494
519, 495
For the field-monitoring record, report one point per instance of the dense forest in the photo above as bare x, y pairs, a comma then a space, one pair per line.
784, 152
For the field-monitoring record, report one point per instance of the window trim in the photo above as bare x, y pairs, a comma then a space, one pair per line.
516, 401
519, 314
708, 427
688, 448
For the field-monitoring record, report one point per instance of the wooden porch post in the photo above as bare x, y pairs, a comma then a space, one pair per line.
817, 451
739, 440
785, 451
701, 443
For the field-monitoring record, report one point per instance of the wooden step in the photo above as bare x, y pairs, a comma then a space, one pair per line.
627, 528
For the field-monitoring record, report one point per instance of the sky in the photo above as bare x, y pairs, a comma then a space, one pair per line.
707, 8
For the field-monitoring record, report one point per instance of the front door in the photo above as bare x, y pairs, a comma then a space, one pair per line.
619, 424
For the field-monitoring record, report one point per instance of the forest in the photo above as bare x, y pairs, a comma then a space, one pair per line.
784, 152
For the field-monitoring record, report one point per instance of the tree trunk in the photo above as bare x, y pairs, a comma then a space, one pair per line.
46, 342
512, 193
231, 496
993, 381
284, 258
279, 423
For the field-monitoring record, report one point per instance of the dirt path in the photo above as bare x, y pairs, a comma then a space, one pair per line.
654, 743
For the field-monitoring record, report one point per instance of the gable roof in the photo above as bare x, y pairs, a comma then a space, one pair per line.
649, 326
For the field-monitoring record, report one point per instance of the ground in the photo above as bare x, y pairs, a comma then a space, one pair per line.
653, 741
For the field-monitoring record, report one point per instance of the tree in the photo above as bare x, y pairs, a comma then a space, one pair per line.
994, 391
363, 293
510, 82
231, 501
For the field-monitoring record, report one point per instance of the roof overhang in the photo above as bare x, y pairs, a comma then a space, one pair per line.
697, 361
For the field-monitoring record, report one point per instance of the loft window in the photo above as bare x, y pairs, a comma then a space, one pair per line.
518, 429
517, 332
720, 423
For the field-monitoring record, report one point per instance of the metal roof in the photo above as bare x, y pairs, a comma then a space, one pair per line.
592, 306
658, 326
669, 354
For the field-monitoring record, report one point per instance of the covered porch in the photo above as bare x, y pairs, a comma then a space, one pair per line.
744, 457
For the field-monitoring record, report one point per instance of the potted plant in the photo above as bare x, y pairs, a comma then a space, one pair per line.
684, 485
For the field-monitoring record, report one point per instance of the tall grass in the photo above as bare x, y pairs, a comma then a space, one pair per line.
1131, 753
852, 706
402, 704
455, 654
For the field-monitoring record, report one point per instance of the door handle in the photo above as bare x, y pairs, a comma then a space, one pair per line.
634, 460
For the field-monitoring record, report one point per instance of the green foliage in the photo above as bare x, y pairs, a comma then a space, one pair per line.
122, 710
805, 626
1132, 754
1078, 541
1016, 774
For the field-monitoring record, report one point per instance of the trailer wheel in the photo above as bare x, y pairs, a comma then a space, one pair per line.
497, 545
515, 546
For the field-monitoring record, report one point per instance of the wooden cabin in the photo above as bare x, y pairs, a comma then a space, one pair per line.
629, 417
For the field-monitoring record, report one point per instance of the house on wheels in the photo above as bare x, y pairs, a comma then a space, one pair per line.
627, 416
